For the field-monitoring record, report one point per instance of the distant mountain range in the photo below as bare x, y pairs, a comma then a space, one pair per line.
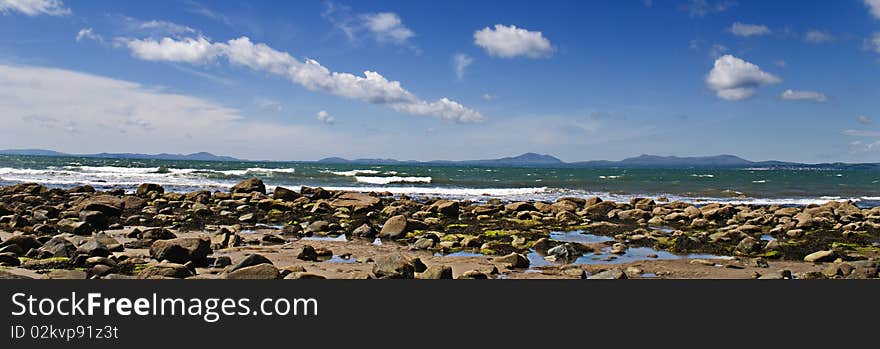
202, 156
524, 160
641, 161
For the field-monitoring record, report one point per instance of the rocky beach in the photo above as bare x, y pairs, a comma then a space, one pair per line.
313, 233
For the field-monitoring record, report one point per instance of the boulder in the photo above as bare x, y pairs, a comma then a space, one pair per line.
93, 248
249, 261
393, 266
394, 227
819, 256
284, 194
365, 230
74, 227
107, 204
355, 201
58, 247
513, 261
181, 250
249, 186
25, 242
96, 219
147, 188
307, 253
449, 208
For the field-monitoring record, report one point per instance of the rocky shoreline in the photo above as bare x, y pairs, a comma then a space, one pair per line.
247, 233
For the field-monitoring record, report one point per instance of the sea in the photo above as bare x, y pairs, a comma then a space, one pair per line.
699, 186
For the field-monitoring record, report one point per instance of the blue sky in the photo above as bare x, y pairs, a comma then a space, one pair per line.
581, 80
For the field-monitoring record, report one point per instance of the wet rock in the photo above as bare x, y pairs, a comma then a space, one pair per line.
394, 227
393, 266
747, 246
619, 248
435, 272
423, 244
819, 256
14, 249
566, 252
611, 274
270, 239
165, 270
158, 234
307, 253
74, 227
249, 261
25, 242
519, 207
182, 250
838, 270
107, 204
251, 185
285, 194
365, 230
93, 248
146, 189
542, 245
513, 261
9, 259
58, 247
449, 208
221, 262
761, 263
319, 227
262, 271
355, 201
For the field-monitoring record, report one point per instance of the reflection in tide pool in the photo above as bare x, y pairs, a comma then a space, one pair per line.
578, 236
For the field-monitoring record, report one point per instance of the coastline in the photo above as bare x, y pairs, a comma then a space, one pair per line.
317, 233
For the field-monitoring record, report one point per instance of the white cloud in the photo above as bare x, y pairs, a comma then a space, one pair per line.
325, 117
383, 27
35, 7
874, 7
818, 37
88, 33
60, 109
166, 27
387, 27
372, 87
510, 41
861, 133
873, 43
461, 61
189, 50
864, 120
734, 79
700, 8
746, 30
794, 95
489, 97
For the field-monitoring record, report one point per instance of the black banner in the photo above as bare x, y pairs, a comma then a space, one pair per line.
342, 312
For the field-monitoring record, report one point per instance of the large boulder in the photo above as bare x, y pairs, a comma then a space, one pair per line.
109, 205
394, 227
285, 194
93, 248
449, 208
355, 201
147, 188
393, 266
435, 272
249, 186
58, 247
25, 242
181, 250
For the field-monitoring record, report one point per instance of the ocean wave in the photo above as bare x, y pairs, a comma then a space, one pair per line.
351, 173
610, 177
392, 179
449, 192
703, 175
760, 181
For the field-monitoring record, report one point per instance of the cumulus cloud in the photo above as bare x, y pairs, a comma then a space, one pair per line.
734, 79
372, 87
864, 120
461, 62
34, 7
509, 41
59, 109
873, 7
746, 30
387, 27
383, 27
818, 37
794, 95
325, 117
88, 33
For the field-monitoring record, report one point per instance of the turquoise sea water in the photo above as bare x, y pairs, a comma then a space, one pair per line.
726, 185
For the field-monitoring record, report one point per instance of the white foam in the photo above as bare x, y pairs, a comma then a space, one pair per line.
760, 181
451, 192
609, 177
703, 175
352, 173
392, 179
